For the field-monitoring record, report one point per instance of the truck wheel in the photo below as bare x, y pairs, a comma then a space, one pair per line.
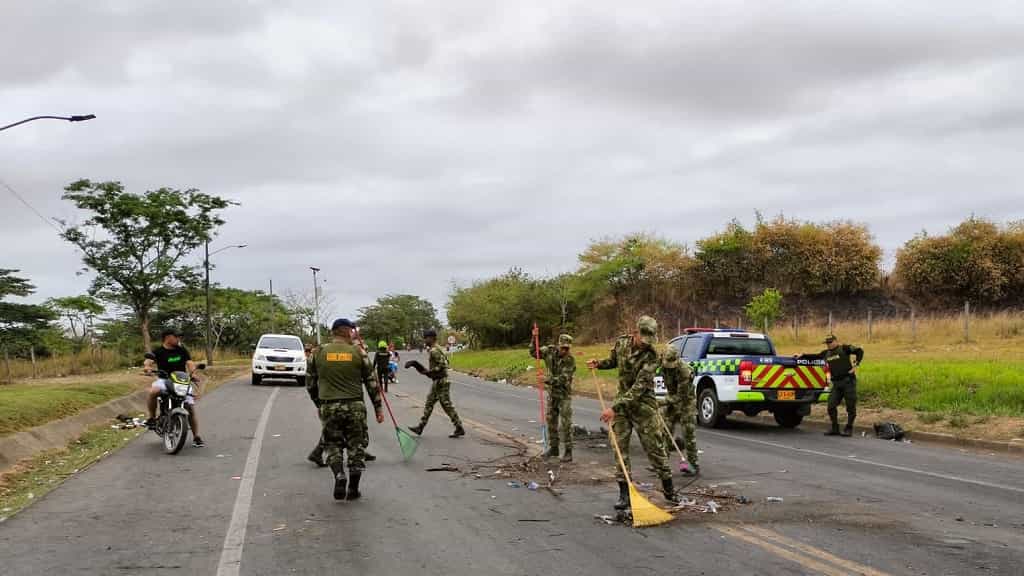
709, 409
788, 418
256, 379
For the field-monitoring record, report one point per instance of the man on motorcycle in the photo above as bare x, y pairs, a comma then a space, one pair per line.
171, 356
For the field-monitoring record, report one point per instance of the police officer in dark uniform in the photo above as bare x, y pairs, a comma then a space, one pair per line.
844, 381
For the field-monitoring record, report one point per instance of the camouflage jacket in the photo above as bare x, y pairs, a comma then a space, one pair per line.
677, 374
558, 370
438, 369
637, 368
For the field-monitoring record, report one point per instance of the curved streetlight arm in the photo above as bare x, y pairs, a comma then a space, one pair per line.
68, 118
228, 248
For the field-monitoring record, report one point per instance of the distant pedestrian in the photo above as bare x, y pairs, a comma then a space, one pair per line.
560, 367
381, 359
680, 409
844, 380
440, 389
341, 371
635, 406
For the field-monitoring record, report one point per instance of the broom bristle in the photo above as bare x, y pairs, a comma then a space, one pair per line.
407, 443
644, 513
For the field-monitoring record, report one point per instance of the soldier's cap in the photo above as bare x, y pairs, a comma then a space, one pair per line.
830, 338
430, 333
648, 328
343, 322
564, 341
169, 332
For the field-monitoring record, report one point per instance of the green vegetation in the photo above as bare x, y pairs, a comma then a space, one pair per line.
27, 405
44, 472
765, 308
397, 318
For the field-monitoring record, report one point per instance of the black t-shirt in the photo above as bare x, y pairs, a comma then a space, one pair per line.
171, 360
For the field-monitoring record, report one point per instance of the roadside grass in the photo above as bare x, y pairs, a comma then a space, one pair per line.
935, 380
32, 479
96, 361
34, 402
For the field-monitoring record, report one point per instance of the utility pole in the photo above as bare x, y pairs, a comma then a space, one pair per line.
209, 331
316, 304
272, 327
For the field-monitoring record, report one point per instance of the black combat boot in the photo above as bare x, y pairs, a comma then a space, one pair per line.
459, 431
353, 484
848, 431
418, 429
669, 491
368, 457
317, 457
552, 451
623, 503
340, 482
567, 455
834, 430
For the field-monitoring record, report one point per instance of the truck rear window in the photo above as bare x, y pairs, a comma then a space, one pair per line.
740, 347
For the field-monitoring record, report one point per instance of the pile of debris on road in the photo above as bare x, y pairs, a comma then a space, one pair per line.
126, 422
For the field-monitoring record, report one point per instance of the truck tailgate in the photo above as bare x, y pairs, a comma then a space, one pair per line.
787, 372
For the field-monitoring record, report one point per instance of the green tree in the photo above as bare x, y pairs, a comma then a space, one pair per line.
237, 317
21, 325
135, 242
765, 308
397, 317
501, 311
79, 314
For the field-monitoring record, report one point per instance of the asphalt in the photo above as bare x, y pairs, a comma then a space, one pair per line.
850, 506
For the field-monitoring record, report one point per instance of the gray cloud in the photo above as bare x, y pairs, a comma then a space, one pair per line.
401, 147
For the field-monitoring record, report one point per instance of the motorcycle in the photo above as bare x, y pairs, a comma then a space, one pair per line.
172, 417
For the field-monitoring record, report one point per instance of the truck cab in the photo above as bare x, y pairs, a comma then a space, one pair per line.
740, 370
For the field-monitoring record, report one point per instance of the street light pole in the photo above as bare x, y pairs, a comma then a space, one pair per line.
206, 265
68, 118
316, 304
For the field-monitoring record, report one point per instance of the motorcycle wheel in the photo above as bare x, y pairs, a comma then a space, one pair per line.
176, 433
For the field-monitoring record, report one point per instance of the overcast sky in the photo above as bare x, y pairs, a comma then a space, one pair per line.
404, 146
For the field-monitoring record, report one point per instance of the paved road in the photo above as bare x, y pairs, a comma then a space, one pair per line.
250, 504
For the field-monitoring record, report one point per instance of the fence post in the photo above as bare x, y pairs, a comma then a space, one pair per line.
967, 321
766, 325
869, 325
32, 355
7, 364
716, 323
913, 325
830, 322
796, 330
679, 325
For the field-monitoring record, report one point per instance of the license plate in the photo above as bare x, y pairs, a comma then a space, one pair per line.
278, 367
787, 395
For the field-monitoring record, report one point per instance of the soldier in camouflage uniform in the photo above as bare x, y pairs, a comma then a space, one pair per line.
340, 370
440, 391
680, 406
635, 406
560, 368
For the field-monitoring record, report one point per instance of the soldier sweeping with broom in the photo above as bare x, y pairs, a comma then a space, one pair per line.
635, 406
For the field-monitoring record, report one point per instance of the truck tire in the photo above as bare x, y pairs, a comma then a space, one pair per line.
709, 409
256, 379
788, 417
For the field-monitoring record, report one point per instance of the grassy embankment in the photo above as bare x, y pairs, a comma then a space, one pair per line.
936, 382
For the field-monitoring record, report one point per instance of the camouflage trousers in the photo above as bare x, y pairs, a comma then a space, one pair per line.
344, 429
680, 411
642, 416
560, 418
440, 391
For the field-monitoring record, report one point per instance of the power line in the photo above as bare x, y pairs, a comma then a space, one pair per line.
30, 207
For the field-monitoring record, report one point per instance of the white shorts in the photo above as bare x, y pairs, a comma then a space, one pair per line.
161, 385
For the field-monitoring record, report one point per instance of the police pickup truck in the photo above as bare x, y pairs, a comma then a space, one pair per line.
739, 370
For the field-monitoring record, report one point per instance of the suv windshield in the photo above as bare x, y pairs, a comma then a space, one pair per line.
280, 342
740, 346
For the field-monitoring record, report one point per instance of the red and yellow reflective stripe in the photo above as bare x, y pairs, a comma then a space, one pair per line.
777, 376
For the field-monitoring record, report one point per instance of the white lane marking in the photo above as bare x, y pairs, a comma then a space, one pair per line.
234, 540
906, 469
871, 463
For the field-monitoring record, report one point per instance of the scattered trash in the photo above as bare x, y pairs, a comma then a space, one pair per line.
602, 445
31, 496
538, 441
959, 518
551, 476
687, 502
644, 485
533, 485
277, 435
743, 500
609, 520
532, 421
774, 499
534, 520
863, 434
280, 527
220, 455
443, 468
236, 477
712, 506
514, 484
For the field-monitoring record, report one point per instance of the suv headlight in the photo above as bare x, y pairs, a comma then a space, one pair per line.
261, 358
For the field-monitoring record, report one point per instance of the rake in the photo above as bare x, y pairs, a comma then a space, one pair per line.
540, 387
683, 464
644, 512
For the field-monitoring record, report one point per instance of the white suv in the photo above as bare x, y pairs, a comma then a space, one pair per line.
279, 356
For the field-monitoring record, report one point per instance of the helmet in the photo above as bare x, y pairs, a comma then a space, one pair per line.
382, 344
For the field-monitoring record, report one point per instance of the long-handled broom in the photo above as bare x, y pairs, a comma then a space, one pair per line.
406, 441
540, 387
683, 464
644, 513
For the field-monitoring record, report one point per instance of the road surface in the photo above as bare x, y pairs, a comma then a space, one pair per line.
249, 503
